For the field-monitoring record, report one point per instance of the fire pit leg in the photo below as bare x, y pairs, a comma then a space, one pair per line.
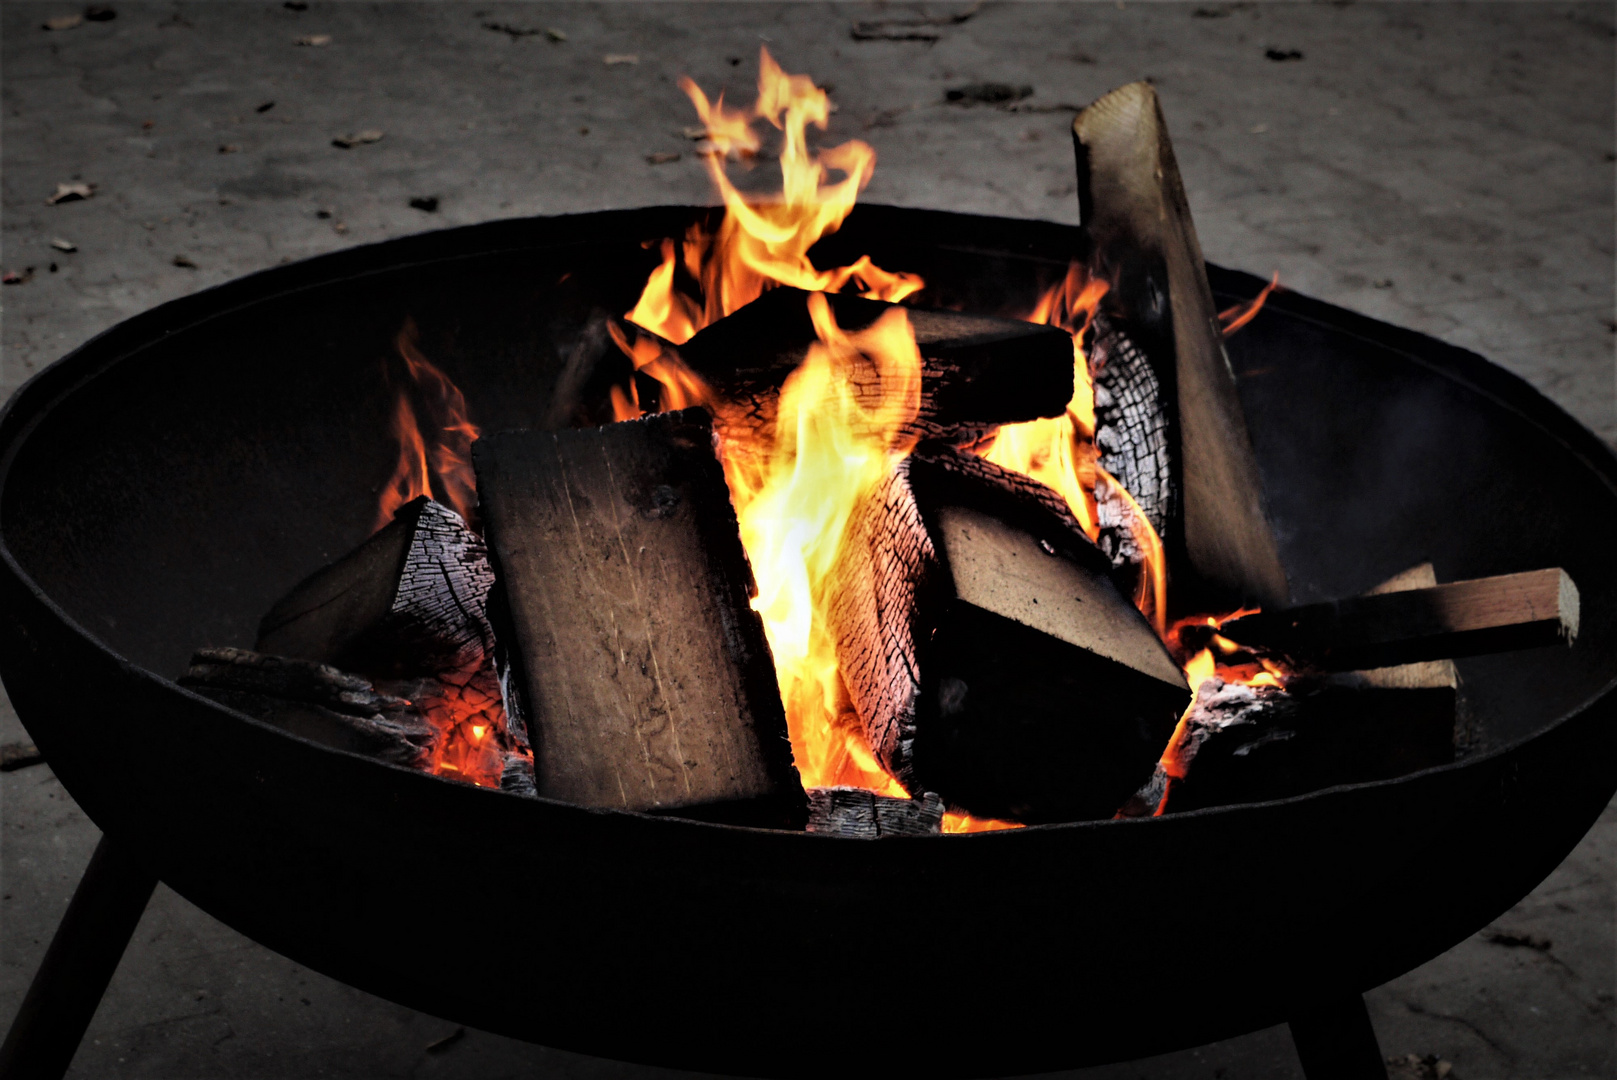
91, 939
1335, 1041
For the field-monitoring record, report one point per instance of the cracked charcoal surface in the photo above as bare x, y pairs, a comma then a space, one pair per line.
864, 815
1132, 433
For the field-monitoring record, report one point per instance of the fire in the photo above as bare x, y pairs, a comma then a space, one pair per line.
1236, 316
449, 459
1219, 658
832, 446
464, 707
763, 243
1060, 452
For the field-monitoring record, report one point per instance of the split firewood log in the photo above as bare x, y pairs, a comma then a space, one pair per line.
413, 598
314, 701
987, 652
1134, 212
865, 815
977, 371
622, 608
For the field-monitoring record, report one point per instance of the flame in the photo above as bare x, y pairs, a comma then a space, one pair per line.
1236, 316
1219, 658
832, 444
1060, 452
763, 243
449, 458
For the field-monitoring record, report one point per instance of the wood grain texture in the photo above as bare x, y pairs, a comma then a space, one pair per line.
646, 674
412, 598
864, 815
987, 652
1133, 206
1463, 618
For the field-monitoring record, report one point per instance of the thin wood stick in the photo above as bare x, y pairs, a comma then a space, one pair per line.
1463, 618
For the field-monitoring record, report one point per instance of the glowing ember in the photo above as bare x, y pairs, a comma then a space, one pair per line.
464, 705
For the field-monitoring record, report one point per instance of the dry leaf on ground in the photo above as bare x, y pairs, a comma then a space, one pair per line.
614, 59
64, 245
62, 22
70, 193
314, 39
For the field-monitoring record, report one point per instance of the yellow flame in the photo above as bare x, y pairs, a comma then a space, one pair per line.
831, 447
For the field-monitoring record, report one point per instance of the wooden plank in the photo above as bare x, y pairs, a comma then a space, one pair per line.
1133, 208
645, 672
1463, 618
977, 371
987, 652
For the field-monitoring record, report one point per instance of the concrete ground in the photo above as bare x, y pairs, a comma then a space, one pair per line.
1445, 167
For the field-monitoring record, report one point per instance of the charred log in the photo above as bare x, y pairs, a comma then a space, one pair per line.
1350, 728
976, 371
1132, 434
1252, 744
1463, 618
864, 815
987, 652
314, 701
413, 598
642, 668
1133, 208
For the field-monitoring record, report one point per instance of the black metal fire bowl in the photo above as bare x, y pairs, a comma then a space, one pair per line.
163, 484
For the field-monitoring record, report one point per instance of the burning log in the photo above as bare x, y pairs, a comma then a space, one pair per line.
1464, 618
987, 652
409, 609
314, 701
1132, 434
976, 371
1248, 744
1133, 207
864, 815
412, 598
623, 591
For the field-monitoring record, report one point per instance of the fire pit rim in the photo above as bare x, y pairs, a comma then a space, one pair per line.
94, 357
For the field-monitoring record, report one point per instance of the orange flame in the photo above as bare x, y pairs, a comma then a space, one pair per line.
1236, 316
1060, 452
831, 446
1220, 658
760, 244
449, 458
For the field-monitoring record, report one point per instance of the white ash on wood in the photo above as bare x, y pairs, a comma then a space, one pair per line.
1245, 744
865, 815
1132, 436
624, 612
987, 652
977, 371
1143, 243
314, 701
413, 598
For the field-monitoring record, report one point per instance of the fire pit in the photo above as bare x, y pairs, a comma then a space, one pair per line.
167, 482
890, 562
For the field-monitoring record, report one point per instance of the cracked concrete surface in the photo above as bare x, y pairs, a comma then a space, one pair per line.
1444, 167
